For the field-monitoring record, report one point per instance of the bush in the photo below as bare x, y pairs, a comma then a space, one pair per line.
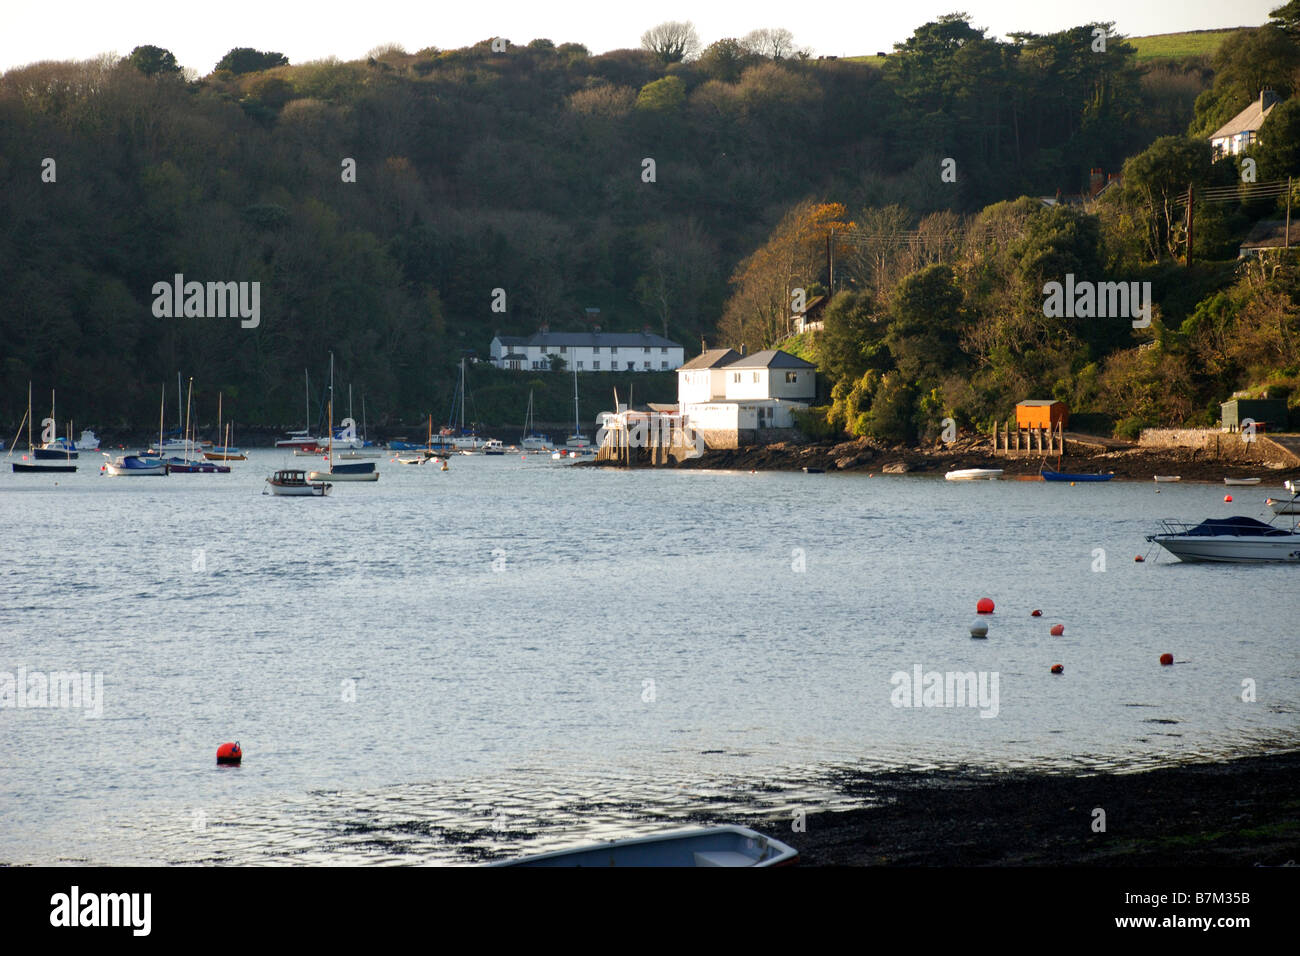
816, 422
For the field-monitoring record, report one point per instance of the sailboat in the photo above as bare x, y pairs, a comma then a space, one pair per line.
530, 440
355, 471
42, 462
463, 440
302, 438
359, 447
53, 448
223, 452
577, 445
188, 464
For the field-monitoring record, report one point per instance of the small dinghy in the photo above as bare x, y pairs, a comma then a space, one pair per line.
1169, 478
1242, 481
704, 846
974, 474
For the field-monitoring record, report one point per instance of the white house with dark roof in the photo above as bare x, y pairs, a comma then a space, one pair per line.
732, 399
1237, 135
588, 351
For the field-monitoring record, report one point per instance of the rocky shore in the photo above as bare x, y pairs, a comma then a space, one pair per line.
1242, 812
1126, 460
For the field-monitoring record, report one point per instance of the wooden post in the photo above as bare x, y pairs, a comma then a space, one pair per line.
1288, 213
1191, 198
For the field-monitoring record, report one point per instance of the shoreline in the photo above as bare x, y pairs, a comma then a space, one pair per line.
1239, 812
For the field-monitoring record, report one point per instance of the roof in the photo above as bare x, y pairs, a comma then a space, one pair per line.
770, 358
713, 358
1040, 401
1249, 119
1269, 234
548, 340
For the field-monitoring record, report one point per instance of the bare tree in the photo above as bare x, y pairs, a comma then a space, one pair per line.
672, 41
776, 43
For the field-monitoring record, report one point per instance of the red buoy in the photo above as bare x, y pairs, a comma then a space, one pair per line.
1058, 668
1058, 630
1166, 660
1035, 613
229, 753
984, 606
1227, 497
1139, 559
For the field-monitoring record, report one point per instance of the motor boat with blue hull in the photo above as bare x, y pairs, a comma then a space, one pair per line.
1236, 540
703, 846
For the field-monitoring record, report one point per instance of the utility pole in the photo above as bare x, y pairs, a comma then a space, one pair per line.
830, 260
1191, 198
1288, 213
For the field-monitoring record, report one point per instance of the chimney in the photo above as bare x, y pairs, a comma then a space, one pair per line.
544, 328
1267, 98
1096, 181
645, 330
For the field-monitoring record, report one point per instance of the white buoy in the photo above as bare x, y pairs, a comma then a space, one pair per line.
979, 629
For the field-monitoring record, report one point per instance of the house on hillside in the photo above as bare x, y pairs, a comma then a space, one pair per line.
1265, 234
733, 399
1236, 135
810, 320
593, 351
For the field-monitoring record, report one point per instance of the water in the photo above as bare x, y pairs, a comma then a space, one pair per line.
541, 654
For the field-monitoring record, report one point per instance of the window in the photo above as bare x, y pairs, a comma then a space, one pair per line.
735, 376
663, 364
563, 349
595, 350
613, 350
645, 365
663, 350
792, 376
755, 376
595, 366
579, 364
631, 366
647, 350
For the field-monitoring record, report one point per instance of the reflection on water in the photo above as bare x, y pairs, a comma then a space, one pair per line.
513, 656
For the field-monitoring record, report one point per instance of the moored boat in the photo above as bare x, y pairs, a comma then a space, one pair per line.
1242, 481
1168, 478
1235, 540
1074, 476
135, 465
291, 483
702, 846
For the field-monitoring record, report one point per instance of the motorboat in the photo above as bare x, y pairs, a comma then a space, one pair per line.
292, 483
701, 846
494, 446
974, 474
297, 439
1239, 540
135, 465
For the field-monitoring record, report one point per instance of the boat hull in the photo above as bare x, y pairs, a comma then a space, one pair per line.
973, 474
705, 846
49, 466
342, 476
1242, 481
1067, 476
1231, 550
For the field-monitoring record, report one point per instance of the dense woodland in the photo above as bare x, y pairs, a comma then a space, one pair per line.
523, 169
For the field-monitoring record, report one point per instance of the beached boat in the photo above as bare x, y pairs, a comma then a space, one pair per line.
1168, 478
1074, 476
290, 483
1236, 540
973, 474
134, 465
1242, 481
703, 846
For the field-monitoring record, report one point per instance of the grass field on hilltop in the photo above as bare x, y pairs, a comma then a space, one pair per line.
1161, 46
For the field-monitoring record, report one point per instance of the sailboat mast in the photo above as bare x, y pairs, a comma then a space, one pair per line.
188, 396
162, 402
219, 418
577, 429
29, 416
365, 435
178, 399
307, 379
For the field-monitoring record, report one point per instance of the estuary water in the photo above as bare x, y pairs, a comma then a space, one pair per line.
516, 654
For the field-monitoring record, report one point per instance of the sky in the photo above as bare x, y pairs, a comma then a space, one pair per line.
199, 33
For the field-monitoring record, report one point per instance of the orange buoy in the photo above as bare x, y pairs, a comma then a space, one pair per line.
1139, 559
1035, 613
1058, 630
229, 753
1227, 497
1058, 668
984, 606
1166, 660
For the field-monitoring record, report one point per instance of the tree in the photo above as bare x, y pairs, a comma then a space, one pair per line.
1278, 149
244, 59
672, 42
774, 43
724, 60
1288, 17
662, 96
153, 61
852, 340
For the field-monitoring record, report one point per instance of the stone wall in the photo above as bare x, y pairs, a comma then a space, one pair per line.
1216, 444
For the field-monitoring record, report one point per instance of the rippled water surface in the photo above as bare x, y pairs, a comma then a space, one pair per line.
541, 654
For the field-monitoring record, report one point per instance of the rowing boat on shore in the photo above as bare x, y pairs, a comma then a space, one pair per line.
1242, 481
1169, 478
704, 846
974, 474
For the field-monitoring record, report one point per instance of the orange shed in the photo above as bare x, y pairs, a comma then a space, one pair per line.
1041, 413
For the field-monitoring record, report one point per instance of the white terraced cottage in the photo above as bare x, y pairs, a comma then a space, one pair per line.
588, 351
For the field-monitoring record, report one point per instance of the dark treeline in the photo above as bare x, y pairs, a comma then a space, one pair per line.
477, 170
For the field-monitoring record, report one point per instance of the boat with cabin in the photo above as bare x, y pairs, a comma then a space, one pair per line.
292, 483
1235, 540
